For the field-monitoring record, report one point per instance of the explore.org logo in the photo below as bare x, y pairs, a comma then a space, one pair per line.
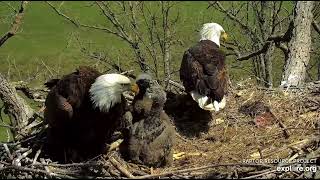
294, 168
286, 165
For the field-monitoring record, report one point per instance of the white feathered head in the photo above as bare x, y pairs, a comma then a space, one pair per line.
213, 32
107, 89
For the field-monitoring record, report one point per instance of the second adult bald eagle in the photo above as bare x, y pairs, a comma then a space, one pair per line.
83, 109
203, 72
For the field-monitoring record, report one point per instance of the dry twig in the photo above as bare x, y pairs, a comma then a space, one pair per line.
197, 169
16, 24
121, 168
261, 174
7, 151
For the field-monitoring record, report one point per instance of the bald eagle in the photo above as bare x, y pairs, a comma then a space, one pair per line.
150, 139
203, 71
83, 109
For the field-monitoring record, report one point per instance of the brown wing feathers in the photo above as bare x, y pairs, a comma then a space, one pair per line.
70, 117
203, 69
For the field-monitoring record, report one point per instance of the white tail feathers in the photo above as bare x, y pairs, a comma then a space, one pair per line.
202, 102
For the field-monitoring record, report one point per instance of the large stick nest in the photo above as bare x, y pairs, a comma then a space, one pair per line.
230, 146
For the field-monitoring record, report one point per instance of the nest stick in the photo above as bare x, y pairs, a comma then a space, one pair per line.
46, 167
26, 169
283, 127
69, 165
36, 156
196, 169
176, 84
22, 150
7, 151
126, 72
121, 168
19, 142
258, 175
17, 160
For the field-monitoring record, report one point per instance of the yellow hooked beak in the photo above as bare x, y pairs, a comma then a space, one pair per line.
224, 36
135, 88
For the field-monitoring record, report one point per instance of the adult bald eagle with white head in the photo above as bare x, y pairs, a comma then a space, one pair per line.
83, 110
203, 72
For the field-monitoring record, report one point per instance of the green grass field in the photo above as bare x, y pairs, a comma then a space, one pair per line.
48, 38
48, 45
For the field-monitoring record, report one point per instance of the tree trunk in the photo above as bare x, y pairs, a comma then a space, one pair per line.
166, 56
167, 65
318, 70
299, 45
17, 109
166, 43
264, 60
262, 69
258, 68
255, 67
265, 29
268, 63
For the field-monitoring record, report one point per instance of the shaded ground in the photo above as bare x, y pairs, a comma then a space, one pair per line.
189, 119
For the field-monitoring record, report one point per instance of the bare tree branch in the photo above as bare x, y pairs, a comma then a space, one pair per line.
285, 37
152, 42
284, 48
234, 18
316, 26
151, 48
316, 11
9, 5
242, 57
262, 25
110, 15
78, 24
104, 58
15, 25
63, 15
250, 55
112, 18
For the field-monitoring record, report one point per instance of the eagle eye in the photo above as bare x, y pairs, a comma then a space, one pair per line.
124, 84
